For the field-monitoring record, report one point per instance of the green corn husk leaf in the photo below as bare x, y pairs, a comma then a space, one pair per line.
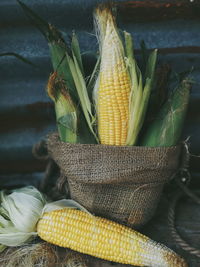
84, 136
94, 75
166, 129
151, 64
61, 66
139, 96
63, 203
67, 128
82, 93
76, 51
149, 84
135, 110
93, 84
144, 53
81, 86
133, 68
158, 95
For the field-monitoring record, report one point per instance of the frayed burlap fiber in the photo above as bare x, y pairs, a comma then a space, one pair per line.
122, 183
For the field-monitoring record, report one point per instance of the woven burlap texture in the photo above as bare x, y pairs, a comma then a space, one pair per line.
122, 183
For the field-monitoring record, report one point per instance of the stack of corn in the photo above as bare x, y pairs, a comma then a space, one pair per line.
24, 213
121, 92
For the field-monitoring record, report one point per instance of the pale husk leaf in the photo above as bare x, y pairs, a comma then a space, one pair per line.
24, 207
63, 203
14, 238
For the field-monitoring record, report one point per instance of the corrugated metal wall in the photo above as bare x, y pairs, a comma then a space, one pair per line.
26, 114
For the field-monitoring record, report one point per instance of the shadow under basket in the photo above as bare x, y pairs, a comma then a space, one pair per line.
121, 183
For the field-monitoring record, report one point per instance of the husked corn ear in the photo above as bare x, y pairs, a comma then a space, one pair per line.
105, 239
114, 88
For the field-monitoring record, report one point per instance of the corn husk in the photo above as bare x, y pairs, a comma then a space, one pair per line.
167, 127
66, 113
78, 125
19, 214
140, 90
82, 93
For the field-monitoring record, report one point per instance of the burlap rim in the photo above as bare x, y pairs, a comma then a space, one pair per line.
163, 158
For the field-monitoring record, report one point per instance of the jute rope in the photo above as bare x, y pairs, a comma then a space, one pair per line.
171, 221
182, 181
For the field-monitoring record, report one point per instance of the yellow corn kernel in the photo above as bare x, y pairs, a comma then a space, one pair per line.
105, 239
114, 89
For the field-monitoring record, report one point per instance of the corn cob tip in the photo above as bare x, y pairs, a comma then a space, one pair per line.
164, 256
105, 10
175, 260
103, 15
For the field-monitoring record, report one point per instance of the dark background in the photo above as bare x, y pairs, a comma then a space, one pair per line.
26, 113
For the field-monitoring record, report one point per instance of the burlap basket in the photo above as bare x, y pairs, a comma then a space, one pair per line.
120, 183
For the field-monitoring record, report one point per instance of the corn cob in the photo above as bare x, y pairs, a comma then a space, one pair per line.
105, 239
114, 84
167, 126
